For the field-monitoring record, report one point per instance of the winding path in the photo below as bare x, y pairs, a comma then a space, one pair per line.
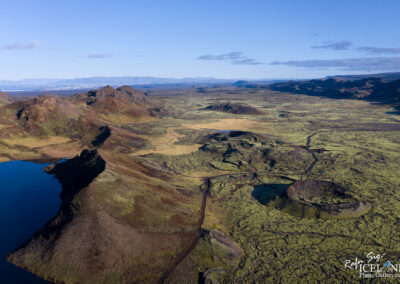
308, 145
197, 237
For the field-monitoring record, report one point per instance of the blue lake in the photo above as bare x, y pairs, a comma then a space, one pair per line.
28, 199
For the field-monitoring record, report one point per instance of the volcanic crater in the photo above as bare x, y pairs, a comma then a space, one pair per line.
316, 199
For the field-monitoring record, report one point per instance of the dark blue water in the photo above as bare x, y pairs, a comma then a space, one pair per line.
28, 199
218, 130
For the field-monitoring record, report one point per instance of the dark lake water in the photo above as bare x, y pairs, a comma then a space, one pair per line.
28, 199
218, 130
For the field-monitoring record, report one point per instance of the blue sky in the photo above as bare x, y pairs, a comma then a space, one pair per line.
222, 39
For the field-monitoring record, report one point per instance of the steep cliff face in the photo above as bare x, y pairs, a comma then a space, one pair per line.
77, 173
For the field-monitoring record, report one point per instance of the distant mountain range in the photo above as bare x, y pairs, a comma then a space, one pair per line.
381, 88
79, 84
386, 76
94, 82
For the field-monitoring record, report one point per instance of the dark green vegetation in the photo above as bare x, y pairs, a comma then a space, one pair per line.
236, 108
190, 195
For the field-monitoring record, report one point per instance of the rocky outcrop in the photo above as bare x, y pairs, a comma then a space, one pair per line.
104, 133
210, 276
77, 173
225, 250
235, 108
232, 250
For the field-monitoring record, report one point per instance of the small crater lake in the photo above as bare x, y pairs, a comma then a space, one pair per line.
28, 199
217, 130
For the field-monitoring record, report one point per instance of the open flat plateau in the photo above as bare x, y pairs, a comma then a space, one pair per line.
189, 185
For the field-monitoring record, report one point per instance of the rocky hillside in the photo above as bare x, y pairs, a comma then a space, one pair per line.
77, 115
46, 115
122, 99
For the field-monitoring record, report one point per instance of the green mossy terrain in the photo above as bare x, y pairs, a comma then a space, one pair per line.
356, 144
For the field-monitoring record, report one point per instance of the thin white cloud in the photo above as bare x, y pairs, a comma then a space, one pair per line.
346, 45
234, 57
339, 45
356, 64
98, 55
16, 46
379, 50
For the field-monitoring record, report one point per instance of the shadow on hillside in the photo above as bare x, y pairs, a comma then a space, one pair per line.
395, 112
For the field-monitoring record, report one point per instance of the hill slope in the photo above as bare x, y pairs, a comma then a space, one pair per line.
110, 99
75, 116
370, 89
391, 76
5, 98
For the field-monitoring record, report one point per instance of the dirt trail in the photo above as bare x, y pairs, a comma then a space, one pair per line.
197, 237
308, 146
